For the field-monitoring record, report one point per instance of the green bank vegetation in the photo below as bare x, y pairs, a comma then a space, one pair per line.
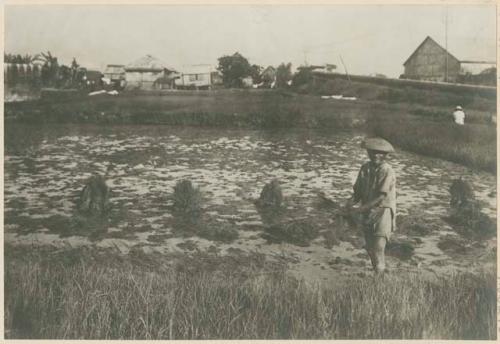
428, 96
86, 294
226, 108
470, 145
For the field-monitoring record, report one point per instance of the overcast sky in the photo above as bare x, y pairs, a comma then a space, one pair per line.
370, 39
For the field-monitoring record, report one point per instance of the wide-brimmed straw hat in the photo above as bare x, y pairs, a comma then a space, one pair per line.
377, 144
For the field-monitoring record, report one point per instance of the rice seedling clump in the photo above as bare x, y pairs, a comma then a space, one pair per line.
94, 197
271, 195
187, 199
466, 211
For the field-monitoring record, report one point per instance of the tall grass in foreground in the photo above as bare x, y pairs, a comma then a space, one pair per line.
118, 299
469, 145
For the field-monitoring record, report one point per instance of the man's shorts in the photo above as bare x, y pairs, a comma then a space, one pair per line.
378, 223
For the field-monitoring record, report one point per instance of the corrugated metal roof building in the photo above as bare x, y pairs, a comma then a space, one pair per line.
114, 72
196, 76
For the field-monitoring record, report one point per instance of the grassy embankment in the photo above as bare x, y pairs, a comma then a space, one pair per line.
472, 145
100, 295
420, 121
224, 108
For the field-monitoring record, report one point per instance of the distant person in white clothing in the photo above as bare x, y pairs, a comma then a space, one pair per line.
459, 115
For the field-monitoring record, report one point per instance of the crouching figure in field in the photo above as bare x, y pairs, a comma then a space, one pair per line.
375, 190
94, 197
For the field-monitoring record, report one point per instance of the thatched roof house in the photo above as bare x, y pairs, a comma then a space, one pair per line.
149, 73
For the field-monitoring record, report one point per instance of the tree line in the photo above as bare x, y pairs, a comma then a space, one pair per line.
43, 70
236, 68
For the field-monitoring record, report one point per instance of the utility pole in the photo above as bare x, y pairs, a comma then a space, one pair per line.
446, 44
345, 68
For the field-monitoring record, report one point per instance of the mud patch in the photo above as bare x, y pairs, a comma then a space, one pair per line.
222, 232
414, 224
344, 261
454, 246
188, 245
472, 223
159, 238
299, 233
330, 239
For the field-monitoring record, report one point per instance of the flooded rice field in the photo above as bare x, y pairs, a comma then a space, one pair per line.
45, 169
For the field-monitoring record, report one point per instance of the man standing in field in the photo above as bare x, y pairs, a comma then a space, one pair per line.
459, 115
375, 190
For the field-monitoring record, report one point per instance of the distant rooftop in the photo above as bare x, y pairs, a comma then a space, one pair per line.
469, 59
197, 69
115, 69
148, 63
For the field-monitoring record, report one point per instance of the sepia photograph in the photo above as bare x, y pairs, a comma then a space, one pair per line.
249, 171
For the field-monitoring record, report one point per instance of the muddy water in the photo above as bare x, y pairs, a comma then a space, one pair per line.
45, 169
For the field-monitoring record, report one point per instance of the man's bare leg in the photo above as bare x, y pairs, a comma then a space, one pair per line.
378, 252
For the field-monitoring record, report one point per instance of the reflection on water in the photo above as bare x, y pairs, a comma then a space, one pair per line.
45, 168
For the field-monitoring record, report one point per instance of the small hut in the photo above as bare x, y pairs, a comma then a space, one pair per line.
115, 74
268, 76
196, 77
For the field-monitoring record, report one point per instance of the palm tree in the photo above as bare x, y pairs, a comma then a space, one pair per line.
50, 68
19, 59
74, 72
